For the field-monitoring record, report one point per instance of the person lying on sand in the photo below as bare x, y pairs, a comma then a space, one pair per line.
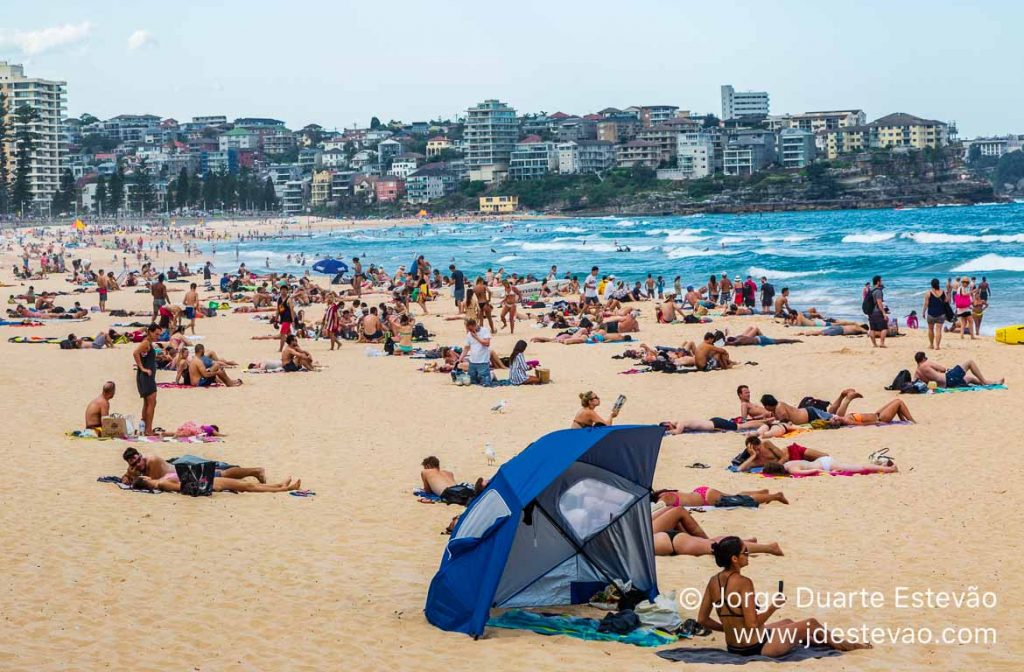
893, 411
814, 319
584, 336
801, 416
99, 407
705, 496
960, 375
157, 468
760, 452
681, 356
753, 336
435, 479
220, 484
749, 409
823, 465
837, 330
677, 533
733, 597
710, 425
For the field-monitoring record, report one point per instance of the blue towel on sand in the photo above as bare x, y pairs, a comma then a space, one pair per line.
116, 480
969, 388
752, 470
423, 494
580, 628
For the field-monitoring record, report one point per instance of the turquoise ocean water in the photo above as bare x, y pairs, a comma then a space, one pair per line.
824, 257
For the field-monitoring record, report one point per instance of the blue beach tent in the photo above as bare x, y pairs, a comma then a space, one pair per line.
556, 524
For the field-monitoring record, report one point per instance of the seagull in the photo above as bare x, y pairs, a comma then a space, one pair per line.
492, 457
499, 407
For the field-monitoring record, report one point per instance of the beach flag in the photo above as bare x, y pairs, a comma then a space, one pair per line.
79, 225
423, 213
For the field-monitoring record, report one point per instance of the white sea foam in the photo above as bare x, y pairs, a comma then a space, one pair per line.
684, 236
508, 257
568, 229
868, 238
731, 240
580, 247
684, 251
991, 262
626, 223
953, 238
757, 272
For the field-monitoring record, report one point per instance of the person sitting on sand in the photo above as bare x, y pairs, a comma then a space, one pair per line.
707, 356
961, 375
220, 484
518, 371
705, 496
749, 409
823, 465
294, 358
157, 468
404, 332
893, 411
99, 407
710, 425
754, 336
760, 452
733, 597
371, 330
588, 416
677, 533
667, 310
620, 324
204, 371
801, 416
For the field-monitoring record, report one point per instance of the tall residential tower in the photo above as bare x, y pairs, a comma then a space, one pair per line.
488, 139
743, 103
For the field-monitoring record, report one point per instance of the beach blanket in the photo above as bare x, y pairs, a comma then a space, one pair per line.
116, 480
711, 656
20, 323
181, 386
969, 388
52, 340
89, 434
426, 497
580, 628
760, 472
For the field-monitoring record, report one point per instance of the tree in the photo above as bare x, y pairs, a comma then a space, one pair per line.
181, 189
974, 153
24, 142
1010, 169
269, 198
100, 198
115, 191
710, 121
5, 193
144, 195
195, 190
211, 190
64, 199
87, 118
374, 124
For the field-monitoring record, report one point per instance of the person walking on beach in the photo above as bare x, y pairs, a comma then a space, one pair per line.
145, 375
877, 323
459, 287
357, 277
934, 310
191, 302
102, 287
767, 296
590, 288
159, 291
963, 301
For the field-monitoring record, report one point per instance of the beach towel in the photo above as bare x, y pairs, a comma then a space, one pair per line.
711, 656
89, 434
580, 628
116, 480
969, 388
181, 386
20, 323
426, 497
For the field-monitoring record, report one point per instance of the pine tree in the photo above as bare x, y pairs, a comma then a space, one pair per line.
5, 193
195, 191
115, 191
269, 200
64, 199
211, 190
182, 189
145, 197
99, 201
24, 138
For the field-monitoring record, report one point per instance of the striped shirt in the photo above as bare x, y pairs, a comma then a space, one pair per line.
517, 372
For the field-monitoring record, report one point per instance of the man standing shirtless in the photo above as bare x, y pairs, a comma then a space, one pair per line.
102, 286
191, 302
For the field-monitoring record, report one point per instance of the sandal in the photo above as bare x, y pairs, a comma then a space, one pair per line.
691, 628
697, 465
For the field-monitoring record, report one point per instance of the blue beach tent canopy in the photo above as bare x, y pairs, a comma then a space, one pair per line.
556, 524
330, 266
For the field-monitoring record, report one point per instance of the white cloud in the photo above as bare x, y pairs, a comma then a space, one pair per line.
32, 42
141, 39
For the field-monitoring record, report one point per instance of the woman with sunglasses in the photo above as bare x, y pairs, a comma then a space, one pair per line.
588, 416
747, 632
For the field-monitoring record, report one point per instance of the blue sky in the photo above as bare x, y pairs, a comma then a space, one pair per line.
337, 63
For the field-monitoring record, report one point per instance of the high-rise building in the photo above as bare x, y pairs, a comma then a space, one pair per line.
49, 99
489, 136
743, 103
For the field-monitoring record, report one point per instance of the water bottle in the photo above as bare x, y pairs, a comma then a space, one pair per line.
142, 428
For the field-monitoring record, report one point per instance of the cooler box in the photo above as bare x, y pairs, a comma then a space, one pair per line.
1012, 335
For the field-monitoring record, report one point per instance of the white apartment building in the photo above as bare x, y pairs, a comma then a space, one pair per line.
743, 103
489, 137
49, 99
695, 155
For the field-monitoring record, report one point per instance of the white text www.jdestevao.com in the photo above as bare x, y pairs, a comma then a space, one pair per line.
874, 635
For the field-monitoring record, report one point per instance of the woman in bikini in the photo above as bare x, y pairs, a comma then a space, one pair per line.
483, 303
677, 533
824, 465
706, 496
170, 483
588, 416
732, 596
509, 302
761, 452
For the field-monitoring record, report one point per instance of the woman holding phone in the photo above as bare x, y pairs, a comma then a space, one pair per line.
588, 416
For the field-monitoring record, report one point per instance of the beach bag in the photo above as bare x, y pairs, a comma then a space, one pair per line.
662, 613
419, 332
948, 309
113, 426
867, 306
901, 380
820, 404
196, 478
389, 345
460, 494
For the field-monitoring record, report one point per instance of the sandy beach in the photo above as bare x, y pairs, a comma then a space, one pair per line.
101, 578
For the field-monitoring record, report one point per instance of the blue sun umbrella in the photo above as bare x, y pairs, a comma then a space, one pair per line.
330, 266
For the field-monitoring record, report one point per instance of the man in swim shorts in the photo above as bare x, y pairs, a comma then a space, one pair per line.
708, 357
754, 336
99, 407
961, 375
157, 468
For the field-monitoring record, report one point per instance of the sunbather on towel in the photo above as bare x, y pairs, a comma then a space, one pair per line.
801, 416
760, 452
712, 425
435, 479
99, 407
677, 533
960, 375
753, 336
733, 597
823, 465
220, 484
705, 496
837, 330
157, 468
893, 411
